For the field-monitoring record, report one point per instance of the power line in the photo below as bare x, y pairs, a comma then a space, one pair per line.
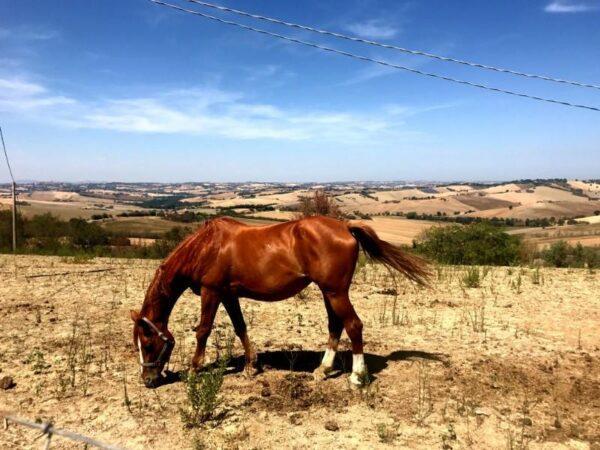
392, 47
373, 60
6, 156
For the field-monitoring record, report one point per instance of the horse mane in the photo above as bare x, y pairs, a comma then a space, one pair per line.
181, 266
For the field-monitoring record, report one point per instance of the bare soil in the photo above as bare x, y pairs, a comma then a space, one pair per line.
510, 364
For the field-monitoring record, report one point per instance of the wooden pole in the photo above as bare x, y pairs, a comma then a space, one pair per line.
14, 217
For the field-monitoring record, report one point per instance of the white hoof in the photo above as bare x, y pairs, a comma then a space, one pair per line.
357, 379
322, 372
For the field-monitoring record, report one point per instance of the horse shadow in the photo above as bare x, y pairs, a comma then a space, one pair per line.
308, 361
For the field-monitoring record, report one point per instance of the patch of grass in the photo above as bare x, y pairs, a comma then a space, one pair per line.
476, 317
79, 258
78, 360
472, 278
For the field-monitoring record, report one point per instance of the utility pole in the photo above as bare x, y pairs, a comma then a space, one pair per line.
14, 196
14, 217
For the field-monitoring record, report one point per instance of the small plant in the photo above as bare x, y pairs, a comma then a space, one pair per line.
424, 398
476, 317
126, 399
224, 341
78, 360
536, 277
36, 359
516, 284
202, 391
387, 433
448, 437
472, 278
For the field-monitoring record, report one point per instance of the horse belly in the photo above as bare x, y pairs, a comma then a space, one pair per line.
271, 287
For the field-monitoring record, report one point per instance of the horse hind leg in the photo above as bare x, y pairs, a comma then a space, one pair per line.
343, 309
232, 306
336, 326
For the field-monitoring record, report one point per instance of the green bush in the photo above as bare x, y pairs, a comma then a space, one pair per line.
202, 391
476, 244
562, 254
6, 228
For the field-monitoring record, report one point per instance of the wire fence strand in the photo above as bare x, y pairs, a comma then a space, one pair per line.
6, 156
393, 47
376, 61
48, 430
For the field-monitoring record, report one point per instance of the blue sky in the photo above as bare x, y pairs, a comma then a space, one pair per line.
127, 90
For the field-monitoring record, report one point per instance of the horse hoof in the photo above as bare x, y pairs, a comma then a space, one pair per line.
357, 380
251, 371
322, 372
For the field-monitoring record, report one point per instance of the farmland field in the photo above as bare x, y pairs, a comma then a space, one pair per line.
513, 363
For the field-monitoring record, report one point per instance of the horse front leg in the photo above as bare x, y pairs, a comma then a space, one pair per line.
210, 303
232, 306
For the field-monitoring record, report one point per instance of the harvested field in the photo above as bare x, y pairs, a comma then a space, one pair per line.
401, 231
513, 363
143, 226
586, 234
483, 203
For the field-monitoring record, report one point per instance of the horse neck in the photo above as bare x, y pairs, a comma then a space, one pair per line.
162, 294
181, 269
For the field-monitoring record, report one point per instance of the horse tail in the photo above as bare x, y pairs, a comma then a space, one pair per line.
391, 256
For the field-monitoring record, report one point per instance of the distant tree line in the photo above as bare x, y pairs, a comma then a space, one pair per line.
481, 243
498, 221
47, 234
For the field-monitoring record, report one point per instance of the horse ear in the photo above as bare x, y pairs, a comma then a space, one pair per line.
135, 316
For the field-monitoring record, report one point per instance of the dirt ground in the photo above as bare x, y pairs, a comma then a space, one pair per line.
510, 364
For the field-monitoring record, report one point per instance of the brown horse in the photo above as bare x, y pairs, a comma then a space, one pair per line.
225, 259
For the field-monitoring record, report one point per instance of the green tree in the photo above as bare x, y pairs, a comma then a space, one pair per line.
479, 243
86, 235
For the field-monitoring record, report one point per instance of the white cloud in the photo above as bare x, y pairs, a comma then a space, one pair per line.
202, 112
373, 29
565, 6
20, 95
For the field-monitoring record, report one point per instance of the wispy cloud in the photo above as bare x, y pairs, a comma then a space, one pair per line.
566, 6
20, 95
204, 112
28, 33
373, 71
373, 29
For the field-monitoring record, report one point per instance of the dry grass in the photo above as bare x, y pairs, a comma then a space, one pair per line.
512, 363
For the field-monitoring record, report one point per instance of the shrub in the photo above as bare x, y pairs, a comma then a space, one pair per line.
561, 254
85, 234
6, 229
202, 391
320, 204
557, 254
476, 244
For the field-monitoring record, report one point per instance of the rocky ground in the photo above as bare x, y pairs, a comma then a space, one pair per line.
512, 363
